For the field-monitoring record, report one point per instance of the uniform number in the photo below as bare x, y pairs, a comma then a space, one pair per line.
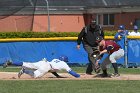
56, 61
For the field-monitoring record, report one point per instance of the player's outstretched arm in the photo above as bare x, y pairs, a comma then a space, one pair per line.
74, 74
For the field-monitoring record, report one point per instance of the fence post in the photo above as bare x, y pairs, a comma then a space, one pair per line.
126, 52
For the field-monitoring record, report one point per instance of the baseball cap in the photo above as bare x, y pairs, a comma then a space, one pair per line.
63, 58
121, 27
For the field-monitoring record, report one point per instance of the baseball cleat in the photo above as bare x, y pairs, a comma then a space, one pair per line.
21, 72
7, 63
115, 75
89, 74
103, 75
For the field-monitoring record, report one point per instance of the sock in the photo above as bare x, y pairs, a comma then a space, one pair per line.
29, 72
115, 66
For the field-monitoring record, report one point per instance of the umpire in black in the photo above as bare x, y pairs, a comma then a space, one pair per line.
88, 37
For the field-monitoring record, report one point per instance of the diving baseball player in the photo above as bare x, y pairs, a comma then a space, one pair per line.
42, 67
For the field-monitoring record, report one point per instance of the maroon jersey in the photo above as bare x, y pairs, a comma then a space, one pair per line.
114, 45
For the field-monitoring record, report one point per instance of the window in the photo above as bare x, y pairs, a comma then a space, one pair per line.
108, 19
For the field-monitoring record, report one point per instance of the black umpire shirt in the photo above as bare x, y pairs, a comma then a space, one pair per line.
88, 35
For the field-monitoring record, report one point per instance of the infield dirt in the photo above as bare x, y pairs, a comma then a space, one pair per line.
49, 76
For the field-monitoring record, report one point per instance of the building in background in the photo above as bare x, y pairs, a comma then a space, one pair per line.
68, 15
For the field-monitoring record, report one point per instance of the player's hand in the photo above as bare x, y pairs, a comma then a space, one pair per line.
78, 46
119, 37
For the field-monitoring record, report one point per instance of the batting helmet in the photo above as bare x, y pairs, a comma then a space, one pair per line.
135, 27
63, 58
121, 27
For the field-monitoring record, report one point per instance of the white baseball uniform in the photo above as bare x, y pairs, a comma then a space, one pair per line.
57, 64
42, 67
134, 33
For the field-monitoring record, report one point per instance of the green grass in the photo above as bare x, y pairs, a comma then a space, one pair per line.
71, 86
9, 69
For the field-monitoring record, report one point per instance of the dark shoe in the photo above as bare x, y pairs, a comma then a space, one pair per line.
7, 63
89, 73
103, 75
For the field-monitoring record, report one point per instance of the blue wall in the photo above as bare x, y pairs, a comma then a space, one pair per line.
35, 51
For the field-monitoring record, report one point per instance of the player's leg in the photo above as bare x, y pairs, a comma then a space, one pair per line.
104, 64
28, 68
45, 67
26, 71
113, 57
29, 65
89, 51
91, 64
41, 69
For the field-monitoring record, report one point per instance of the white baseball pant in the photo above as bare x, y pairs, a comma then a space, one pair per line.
41, 68
112, 58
